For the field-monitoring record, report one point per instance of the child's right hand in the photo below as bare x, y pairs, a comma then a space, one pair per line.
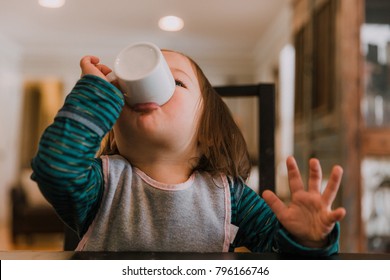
309, 216
90, 66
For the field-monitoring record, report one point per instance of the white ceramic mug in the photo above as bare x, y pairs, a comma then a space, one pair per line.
143, 74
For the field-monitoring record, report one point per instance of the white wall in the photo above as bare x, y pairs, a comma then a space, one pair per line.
266, 52
10, 107
238, 69
61, 64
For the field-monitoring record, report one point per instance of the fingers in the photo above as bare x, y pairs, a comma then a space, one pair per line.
87, 60
276, 205
87, 65
104, 69
315, 175
294, 176
90, 65
333, 185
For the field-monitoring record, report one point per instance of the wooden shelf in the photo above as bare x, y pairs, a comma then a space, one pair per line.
376, 142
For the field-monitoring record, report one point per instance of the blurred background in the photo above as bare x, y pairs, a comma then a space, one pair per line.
329, 61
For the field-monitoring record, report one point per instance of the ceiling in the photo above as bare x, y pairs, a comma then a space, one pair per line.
213, 28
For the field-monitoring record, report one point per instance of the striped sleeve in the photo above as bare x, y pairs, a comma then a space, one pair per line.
65, 167
260, 231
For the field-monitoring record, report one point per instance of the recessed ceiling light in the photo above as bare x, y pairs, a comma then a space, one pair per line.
171, 23
52, 3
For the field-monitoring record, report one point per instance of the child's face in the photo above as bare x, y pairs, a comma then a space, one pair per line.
174, 124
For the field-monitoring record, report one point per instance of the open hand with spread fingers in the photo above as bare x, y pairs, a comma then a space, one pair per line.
308, 217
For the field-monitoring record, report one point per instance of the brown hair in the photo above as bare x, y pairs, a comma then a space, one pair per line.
221, 144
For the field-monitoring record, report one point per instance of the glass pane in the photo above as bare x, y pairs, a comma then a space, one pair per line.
375, 36
375, 39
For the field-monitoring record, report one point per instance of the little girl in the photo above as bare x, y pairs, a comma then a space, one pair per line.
171, 177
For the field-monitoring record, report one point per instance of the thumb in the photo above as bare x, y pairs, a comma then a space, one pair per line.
276, 205
337, 214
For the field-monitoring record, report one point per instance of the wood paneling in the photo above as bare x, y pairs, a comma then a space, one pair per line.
376, 142
328, 94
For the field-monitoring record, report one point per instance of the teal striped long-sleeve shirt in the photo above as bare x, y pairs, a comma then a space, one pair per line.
70, 176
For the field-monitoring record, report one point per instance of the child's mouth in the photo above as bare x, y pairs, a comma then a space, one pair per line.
145, 107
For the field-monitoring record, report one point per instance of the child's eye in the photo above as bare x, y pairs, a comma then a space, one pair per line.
180, 84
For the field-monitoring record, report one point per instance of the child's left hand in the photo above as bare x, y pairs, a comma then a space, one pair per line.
308, 217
